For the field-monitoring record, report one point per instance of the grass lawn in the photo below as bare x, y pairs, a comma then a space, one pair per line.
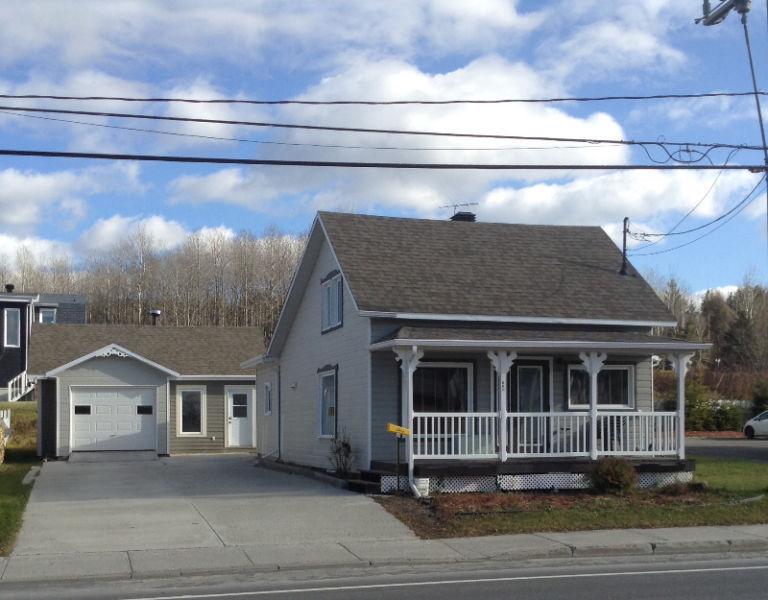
725, 492
19, 457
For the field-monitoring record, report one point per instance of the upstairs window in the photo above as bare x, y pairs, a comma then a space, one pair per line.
47, 315
12, 328
332, 302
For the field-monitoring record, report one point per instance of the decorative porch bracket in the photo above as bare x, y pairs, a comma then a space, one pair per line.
409, 361
593, 363
502, 363
680, 364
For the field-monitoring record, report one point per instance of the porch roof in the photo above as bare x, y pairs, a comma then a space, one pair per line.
534, 339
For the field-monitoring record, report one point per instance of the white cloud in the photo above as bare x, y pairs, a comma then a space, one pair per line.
649, 198
42, 250
724, 290
163, 234
76, 32
28, 197
418, 191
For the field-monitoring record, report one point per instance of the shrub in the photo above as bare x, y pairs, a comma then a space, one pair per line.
613, 476
341, 454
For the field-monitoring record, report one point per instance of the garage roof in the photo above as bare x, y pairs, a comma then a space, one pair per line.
184, 350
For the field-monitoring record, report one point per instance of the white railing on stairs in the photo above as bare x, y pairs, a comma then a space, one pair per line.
19, 386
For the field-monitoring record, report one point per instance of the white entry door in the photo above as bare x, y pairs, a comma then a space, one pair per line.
113, 418
239, 417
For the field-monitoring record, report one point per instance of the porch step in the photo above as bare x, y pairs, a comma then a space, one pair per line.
364, 487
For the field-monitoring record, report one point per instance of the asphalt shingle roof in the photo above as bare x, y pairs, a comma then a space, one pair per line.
495, 269
186, 350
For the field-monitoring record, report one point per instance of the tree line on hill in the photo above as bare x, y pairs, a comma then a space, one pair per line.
210, 279
736, 368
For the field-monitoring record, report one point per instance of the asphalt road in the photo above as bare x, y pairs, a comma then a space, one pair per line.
640, 578
737, 448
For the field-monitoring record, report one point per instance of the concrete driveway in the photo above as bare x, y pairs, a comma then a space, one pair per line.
120, 504
728, 448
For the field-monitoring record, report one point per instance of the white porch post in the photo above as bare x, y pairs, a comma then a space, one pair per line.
409, 360
680, 364
593, 362
502, 363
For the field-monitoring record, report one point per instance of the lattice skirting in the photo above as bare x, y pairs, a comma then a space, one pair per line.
544, 481
649, 480
533, 481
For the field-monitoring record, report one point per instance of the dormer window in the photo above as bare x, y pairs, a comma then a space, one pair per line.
332, 301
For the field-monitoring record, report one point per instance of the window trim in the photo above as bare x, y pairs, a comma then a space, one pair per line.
267, 395
180, 389
46, 308
470, 368
5, 328
321, 375
630, 368
327, 283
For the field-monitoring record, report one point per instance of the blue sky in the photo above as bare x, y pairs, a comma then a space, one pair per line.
400, 49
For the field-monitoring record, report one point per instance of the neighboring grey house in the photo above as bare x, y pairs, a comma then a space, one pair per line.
127, 387
19, 311
427, 323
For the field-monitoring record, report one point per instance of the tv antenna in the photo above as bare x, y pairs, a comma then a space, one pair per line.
455, 207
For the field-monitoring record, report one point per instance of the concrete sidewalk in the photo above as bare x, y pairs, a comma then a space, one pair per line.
270, 557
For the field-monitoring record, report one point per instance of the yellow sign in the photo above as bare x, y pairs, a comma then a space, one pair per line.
392, 428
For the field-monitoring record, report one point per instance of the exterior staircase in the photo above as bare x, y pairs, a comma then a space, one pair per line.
19, 386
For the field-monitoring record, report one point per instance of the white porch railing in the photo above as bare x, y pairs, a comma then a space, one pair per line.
544, 434
548, 434
18, 387
637, 434
455, 435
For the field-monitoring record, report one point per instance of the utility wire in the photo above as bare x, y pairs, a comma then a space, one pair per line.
368, 164
298, 144
380, 102
705, 225
644, 235
27, 109
743, 204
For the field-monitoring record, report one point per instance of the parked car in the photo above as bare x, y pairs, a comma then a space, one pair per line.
757, 426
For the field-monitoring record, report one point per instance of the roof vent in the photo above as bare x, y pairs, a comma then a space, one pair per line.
9, 287
469, 217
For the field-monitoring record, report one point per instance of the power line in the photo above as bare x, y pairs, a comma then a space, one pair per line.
382, 102
734, 212
705, 225
368, 164
370, 130
298, 144
644, 235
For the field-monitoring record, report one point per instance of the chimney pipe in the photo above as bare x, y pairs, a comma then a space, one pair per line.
155, 314
9, 287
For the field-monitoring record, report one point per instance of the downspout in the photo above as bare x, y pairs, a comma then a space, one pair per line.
279, 414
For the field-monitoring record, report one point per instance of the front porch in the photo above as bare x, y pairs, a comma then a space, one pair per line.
515, 427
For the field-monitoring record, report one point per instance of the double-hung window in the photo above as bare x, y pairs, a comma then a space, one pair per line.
191, 411
267, 398
328, 401
332, 302
12, 328
615, 387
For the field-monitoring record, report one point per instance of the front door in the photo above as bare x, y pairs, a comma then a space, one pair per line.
239, 417
528, 394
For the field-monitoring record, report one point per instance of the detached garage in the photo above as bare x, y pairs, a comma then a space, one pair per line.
123, 388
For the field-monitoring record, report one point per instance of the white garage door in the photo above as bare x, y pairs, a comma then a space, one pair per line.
113, 418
